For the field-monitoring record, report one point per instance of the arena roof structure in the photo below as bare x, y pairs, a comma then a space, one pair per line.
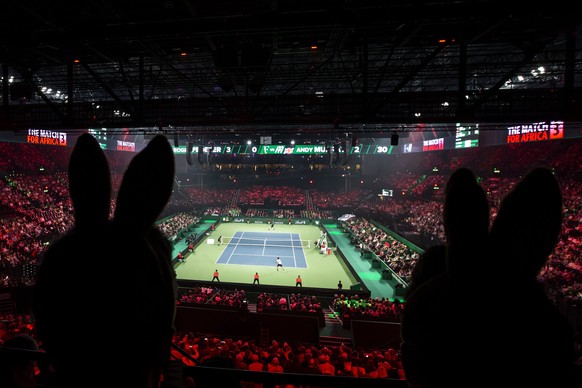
264, 67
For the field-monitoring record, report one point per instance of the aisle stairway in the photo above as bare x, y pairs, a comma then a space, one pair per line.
331, 317
333, 334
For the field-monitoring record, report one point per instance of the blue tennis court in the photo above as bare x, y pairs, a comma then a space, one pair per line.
254, 248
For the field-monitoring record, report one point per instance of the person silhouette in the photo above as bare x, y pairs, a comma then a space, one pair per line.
107, 275
451, 325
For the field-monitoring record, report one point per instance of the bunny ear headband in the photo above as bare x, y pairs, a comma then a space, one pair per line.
145, 190
522, 235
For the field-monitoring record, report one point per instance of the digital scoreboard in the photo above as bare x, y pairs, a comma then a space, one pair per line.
100, 134
282, 149
443, 137
467, 136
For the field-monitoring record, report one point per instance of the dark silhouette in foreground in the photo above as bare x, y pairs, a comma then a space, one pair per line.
104, 300
484, 319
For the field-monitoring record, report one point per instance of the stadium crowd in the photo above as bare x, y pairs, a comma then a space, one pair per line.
35, 209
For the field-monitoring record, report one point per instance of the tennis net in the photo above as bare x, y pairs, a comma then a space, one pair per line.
266, 242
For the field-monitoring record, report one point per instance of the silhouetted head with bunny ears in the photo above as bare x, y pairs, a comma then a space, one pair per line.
104, 299
484, 317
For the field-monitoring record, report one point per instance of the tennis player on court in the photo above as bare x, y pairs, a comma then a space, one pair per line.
279, 264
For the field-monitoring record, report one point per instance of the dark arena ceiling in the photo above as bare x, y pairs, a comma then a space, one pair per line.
276, 66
